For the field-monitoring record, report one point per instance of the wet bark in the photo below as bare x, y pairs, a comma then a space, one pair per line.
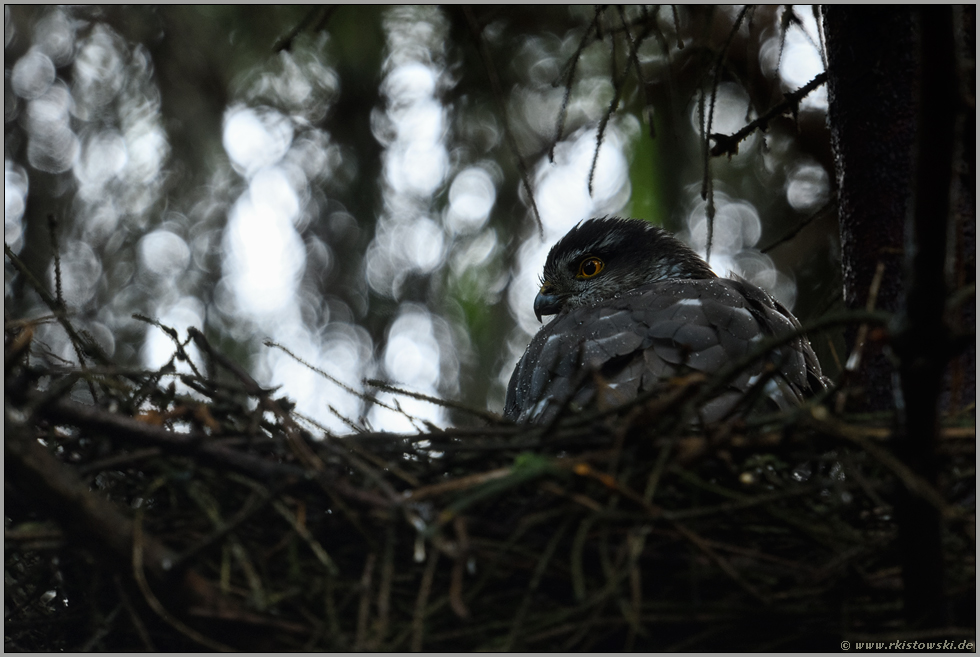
871, 86
898, 125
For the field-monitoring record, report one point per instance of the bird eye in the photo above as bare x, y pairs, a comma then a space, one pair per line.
589, 268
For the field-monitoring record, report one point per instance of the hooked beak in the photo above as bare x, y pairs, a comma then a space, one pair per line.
547, 302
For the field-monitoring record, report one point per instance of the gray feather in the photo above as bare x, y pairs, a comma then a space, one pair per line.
642, 320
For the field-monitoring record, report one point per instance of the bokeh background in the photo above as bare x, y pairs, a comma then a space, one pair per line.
351, 182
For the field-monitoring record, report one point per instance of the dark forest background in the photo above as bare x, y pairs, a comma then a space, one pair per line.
351, 202
142, 131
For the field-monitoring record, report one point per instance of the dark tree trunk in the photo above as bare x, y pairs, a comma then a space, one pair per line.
897, 130
960, 388
871, 85
921, 336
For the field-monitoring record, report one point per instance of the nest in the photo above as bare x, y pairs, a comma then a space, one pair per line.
138, 517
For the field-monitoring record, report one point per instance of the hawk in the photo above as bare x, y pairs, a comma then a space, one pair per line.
634, 307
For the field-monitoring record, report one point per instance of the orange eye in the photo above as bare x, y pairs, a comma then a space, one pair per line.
590, 267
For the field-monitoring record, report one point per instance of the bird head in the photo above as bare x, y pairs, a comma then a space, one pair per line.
602, 258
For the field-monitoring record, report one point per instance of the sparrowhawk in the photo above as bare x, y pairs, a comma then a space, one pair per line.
634, 307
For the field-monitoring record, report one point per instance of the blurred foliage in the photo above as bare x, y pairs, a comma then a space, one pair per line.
252, 251
148, 98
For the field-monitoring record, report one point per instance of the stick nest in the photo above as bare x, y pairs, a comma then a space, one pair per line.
165, 511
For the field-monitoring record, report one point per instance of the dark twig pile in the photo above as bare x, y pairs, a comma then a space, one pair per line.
189, 507
143, 515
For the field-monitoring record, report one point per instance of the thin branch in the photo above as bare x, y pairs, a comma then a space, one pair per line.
134, 617
795, 230
533, 584
371, 399
201, 446
728, 144
634, 46
57, 306
570, 78
788, 17
818, 17
707, 185
446, 403
671, 84
56, 255
154, 602
180, 353
255, 503
286, 42
498, 96
913, 482
425, 587
677, 27
617, 94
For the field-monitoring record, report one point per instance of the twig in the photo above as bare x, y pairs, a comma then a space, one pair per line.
853, 363
384, 588
617, 93
447, 403
818, 18
58, 309
563, 112
286, 42
119, 459
533, 584
498, 95
255, 504
134, 617
152, 600
677, 27
425, 587
102, 631
461, 483
275, 345
789, 17
707, 182
728, 144
460, 555
364, 609
295, 437
795, 230
671, 83
83, 513
707, 185
912, 481
204, 449
55, 253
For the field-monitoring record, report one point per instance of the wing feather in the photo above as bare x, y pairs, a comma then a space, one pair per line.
621, 346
